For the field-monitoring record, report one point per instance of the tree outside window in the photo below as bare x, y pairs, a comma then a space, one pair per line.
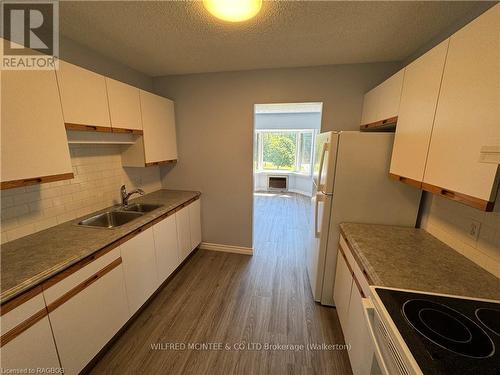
286, 150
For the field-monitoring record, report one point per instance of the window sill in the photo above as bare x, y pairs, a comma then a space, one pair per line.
282, 172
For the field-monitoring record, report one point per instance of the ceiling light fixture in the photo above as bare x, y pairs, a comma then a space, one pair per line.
233, 10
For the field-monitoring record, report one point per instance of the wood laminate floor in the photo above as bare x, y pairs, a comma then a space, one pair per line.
231, 299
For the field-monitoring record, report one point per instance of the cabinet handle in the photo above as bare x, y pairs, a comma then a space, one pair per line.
29, 180
447, 193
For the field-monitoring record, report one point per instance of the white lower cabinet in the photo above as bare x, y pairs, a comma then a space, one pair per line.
32, 348
83, 324
139, 269
195, 223
349, 304
342, 290
92, 301
362, 353
166, 247
183, 232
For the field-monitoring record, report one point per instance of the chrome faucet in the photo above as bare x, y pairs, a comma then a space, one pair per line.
126, 196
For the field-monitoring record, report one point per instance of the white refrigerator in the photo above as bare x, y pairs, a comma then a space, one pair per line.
352, 184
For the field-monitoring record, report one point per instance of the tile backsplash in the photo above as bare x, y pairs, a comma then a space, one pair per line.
98, 177
450, 222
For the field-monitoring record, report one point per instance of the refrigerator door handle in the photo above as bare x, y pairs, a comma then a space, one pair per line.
321, 163
319, 197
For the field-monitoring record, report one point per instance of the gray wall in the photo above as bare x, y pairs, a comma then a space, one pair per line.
287, 120
80, 55
214, 119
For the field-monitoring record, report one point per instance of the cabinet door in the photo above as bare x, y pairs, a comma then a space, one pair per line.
158, 121
416, 113
83, 324
382, 102
33, 138
362, 352
468, 111
83, 96
183, 232
166, 247
139, 269
342, 292
124, 105
33, 347
195, 223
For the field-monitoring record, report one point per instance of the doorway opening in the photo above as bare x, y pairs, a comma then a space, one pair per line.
283, 159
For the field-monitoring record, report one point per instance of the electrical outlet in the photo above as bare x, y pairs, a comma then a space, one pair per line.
475, 227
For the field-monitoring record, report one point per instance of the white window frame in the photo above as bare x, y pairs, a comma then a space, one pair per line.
298, 150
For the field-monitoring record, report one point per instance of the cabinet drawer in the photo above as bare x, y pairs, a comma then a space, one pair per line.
67, 280
359, 275
13, 316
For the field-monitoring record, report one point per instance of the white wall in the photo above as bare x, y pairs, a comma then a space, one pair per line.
77, 54
98, 177
450, 222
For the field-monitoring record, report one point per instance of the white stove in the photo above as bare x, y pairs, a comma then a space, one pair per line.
418, 333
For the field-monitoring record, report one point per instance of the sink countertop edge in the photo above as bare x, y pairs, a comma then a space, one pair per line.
169, 199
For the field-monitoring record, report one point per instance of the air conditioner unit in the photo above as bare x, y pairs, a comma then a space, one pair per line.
277, 183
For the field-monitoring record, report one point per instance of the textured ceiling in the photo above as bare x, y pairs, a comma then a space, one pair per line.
177, 37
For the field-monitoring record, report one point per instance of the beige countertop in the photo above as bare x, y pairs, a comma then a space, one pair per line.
409, 258
28, 261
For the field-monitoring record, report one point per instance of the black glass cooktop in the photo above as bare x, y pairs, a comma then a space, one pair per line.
447, 335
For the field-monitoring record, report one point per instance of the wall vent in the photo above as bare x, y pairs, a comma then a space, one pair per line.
277, 183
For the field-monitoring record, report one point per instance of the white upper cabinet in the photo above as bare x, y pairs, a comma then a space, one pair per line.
158, 144
33, 138
158, 120
419, 98
124, 105
83, 96
468, 112
382, 102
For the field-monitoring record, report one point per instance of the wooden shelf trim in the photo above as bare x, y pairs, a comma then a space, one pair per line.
381, 124
35, 180
468, 200
406, 180
102, 129
83, 285
150, 164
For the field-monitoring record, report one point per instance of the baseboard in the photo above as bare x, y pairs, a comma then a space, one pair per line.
226, 248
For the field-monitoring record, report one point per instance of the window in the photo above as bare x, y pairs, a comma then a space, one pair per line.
283, 150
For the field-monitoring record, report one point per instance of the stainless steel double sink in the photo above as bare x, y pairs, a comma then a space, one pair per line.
118, 217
